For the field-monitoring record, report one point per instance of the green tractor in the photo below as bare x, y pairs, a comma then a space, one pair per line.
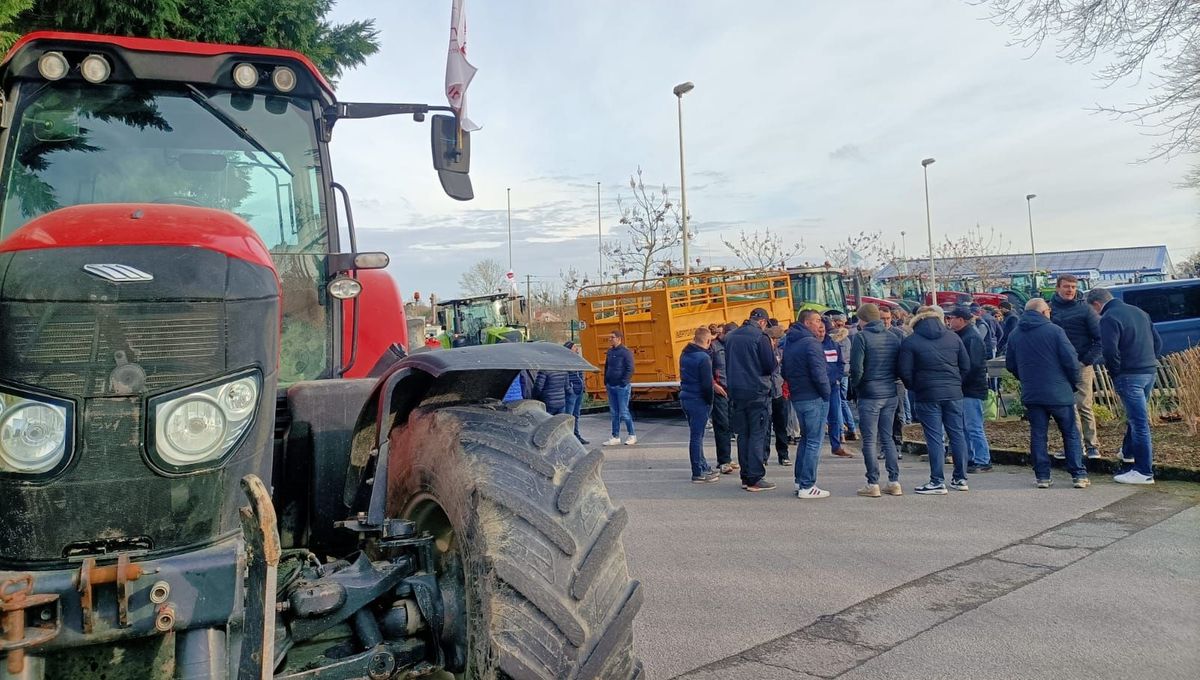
480, 320
819, 288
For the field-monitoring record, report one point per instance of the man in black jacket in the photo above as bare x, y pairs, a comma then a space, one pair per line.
1042, 358
618, 376
873, 353
809, 388
1010, 324
750, 360
720, 410
1131, 347
1069, 312
931, 363
975, 390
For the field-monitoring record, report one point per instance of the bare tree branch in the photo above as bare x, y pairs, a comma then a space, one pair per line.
483, 277
762, 250
653, 232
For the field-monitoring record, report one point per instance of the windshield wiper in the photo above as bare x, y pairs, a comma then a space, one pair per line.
237, 128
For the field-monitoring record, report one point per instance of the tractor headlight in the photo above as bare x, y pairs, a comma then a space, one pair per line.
198, 427
35, 432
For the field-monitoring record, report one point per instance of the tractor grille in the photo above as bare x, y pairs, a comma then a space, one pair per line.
72, 348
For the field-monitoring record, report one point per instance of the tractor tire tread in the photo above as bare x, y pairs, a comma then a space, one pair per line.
573, 484
599, 553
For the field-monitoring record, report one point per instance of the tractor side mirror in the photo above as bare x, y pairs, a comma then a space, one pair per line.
338, 263
452, 157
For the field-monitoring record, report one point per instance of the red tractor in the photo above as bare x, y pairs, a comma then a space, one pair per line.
215, 461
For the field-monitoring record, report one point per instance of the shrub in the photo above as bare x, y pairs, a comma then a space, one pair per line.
1186, 367
1104, 415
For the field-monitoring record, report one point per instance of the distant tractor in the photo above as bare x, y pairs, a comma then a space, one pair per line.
819, 288
479, 320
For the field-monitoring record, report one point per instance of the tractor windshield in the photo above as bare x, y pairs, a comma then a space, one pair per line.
77, 143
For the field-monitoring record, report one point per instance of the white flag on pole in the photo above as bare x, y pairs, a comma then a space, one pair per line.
459, 71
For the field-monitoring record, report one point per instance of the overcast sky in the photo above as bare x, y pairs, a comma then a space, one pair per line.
808, 118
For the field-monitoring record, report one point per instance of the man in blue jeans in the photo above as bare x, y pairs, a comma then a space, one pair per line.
1131, 348
575, 390
809, 389
835, 364
873, 353
750, 361
696, 397
1042, 358
618, 374
975, 389
931, 363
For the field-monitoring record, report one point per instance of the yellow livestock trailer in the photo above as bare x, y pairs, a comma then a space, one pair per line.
659, 316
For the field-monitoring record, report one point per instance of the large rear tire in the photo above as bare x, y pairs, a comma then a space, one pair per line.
518, 508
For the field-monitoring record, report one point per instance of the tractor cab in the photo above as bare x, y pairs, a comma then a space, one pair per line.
819, 288
479, 320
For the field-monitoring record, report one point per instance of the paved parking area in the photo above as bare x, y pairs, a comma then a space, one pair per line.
1003, 581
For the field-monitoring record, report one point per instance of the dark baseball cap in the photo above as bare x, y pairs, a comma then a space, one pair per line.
975, 307
961, 312
759, 314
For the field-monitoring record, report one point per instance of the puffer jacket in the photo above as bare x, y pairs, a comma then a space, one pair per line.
717, 351
974, 380
1042, 358
550, 388
804, 365
1082, 325
695, 374
873, 354
618, 366
932, 360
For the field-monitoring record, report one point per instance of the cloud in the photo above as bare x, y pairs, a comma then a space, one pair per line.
846, 152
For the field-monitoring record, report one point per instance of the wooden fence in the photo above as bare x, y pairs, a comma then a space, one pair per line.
1166, 387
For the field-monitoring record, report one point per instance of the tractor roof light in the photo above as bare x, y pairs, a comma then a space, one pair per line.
345, 288
95, 68
245, 75
283, 78
53, 66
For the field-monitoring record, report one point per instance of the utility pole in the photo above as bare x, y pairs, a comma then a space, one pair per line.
680, 90
529, 299
929, 229
1032, 248
599, 234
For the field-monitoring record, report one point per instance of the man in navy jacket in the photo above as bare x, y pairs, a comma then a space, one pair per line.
975, 389
750, 360
1042, 358
809, 388
618, 374
1131, 347
1069, 312
931, 363
696, 397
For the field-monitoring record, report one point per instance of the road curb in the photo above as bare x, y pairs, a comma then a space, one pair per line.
1105, 465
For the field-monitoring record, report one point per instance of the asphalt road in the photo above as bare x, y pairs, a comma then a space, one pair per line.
1003, 581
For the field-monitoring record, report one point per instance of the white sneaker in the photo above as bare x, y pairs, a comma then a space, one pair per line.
812, 492
612, 442
1124, 458
1058, 455
1133, 477
631, 441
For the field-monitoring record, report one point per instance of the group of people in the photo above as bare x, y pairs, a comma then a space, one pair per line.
751, 379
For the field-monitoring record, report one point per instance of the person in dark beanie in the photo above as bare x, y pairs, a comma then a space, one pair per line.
575, 390
750, 361
1131, 347
722, 435
931, 363
804, 369
779, 405
1069, 312
975, 389
873, 353
835, 364
1011, 318
1042, 358
696, 398
618, 376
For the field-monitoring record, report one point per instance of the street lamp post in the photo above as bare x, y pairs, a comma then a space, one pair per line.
929, 229
508, 195
1029, 209
903, 252
680, 90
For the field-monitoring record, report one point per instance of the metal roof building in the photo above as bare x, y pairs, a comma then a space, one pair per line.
1114, 264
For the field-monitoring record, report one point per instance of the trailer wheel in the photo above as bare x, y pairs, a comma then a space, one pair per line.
523, 522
